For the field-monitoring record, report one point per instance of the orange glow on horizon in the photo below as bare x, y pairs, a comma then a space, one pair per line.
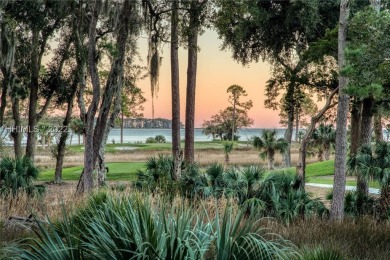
216, 72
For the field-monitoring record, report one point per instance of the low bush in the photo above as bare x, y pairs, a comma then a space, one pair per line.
156, 139
160, 139
18, 175
150, 140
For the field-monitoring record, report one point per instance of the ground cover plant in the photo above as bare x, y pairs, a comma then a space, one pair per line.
130, 227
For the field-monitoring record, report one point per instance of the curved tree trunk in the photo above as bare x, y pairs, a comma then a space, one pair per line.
301, 166
64, 136
175, 85
337, 207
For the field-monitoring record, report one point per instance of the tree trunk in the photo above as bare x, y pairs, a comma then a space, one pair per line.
384, 202
122, 127
320, 154
64, 135
365, 139
296, 126
378, 127
17, 131
7, 58
355, 127
301, 166
271, 159
326, 152
4, 91
290, 110
337, 208
33, 100
175, 85
191, 83
101, 160
234, 118
94, 148
227, 159
86, 179
289, 131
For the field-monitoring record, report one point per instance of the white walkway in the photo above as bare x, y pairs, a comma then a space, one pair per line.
330, 186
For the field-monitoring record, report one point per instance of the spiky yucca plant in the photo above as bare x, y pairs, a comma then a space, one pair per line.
134, 228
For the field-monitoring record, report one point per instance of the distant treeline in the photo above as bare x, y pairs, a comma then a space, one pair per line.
146, 123
127, 122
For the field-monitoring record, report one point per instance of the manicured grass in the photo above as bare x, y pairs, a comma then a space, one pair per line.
125, 171
320, 169
327, 180
112, 148
325, 168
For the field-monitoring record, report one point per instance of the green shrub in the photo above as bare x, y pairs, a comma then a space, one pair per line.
157, 177
367, 204
286, 201
151, 140
160, 139
18, 175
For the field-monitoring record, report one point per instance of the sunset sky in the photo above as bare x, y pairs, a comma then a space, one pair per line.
216, 72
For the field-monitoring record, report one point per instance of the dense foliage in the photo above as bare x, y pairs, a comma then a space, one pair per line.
18, 175
129, 227
276, 195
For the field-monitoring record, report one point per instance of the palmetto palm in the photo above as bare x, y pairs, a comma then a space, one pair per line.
323, 138
269, 145
375, 164
227, 148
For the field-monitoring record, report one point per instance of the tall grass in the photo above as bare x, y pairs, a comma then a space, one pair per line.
363, 238
129, 227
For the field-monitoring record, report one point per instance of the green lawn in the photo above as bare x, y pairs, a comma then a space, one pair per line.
325, 168
327, 180
112, 148
117, 171
320, 172
320, 169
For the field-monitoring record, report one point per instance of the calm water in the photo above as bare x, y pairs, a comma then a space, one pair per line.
132, 135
